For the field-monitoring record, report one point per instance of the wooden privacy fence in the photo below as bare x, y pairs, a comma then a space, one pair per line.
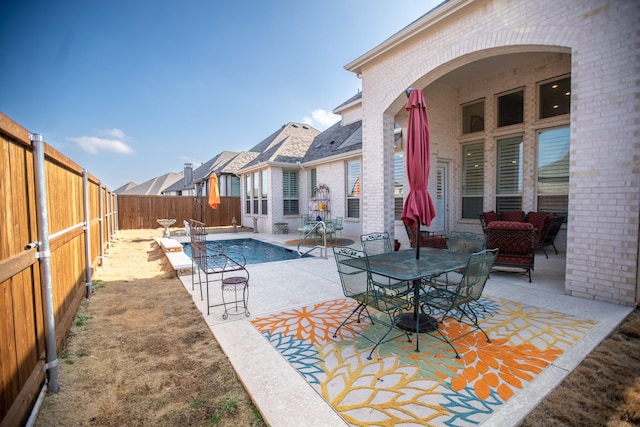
139, 212
55, 221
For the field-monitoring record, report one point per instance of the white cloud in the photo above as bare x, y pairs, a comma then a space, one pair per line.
113, 142
115, 133
96, 144
321, 119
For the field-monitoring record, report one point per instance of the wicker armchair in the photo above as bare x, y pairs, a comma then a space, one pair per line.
515, 243
427, 238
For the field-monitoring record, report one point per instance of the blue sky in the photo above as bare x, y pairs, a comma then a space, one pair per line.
133, 89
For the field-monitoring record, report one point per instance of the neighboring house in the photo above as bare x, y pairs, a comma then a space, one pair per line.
532, 106
125, 187
195, 182
152, 187
334, 160
274, 187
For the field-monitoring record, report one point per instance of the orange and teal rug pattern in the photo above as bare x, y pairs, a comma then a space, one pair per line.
402, 387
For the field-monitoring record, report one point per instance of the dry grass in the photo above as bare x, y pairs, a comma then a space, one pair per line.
604, 390
141, 354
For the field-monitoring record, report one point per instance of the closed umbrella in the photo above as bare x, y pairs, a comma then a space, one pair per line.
418, 208
214, 193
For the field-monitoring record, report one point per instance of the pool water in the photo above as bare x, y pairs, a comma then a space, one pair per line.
255, 251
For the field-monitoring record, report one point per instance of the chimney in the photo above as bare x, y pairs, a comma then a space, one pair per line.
188, 174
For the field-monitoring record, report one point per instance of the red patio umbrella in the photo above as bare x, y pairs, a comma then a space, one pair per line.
418, 207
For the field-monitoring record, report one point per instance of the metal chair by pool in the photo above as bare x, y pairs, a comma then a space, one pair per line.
454, 301
357, 284
229, 269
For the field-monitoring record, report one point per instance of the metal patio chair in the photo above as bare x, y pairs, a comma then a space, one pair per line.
380, 243
356, 284
456, 301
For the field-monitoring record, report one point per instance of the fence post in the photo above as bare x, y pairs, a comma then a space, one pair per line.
87, 231
100, 221
44, 256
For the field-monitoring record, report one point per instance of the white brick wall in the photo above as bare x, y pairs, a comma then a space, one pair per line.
603, 42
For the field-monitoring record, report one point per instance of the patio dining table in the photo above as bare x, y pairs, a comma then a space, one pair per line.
403, 266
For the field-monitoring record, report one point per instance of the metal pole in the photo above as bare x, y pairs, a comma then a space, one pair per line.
100, 223
87, 231
44, 255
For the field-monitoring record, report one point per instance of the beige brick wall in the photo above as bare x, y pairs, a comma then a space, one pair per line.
603, 42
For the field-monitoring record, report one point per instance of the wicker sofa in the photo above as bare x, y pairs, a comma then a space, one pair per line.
547, 225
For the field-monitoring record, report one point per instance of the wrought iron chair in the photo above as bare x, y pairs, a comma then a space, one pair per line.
380, 243
303, 226
338, 225
356, 284
467, 242
456, 301
550, 235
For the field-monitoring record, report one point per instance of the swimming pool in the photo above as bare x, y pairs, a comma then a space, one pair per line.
255, 251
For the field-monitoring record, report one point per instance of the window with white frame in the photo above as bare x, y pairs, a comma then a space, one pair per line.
553, 170
290, 196
398, 184
472, 180
256, 192
264, 192
353, 188
314, 182
509, 174
247, 193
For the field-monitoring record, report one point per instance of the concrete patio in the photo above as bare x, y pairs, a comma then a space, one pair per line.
282, 395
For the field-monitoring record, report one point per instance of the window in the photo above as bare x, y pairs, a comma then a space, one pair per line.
247, 194
353, 189
256, 191
398, 184
264, 185
509, 182
555, 98
314, 182
235, 186
553, 170
290, 192
511, 108
473, 117
472, 180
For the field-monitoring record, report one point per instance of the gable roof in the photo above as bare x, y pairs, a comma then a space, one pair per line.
357, 98
289, 144
335, 141
125, 187
155, 186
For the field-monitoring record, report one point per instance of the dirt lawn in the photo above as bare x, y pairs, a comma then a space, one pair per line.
140, 354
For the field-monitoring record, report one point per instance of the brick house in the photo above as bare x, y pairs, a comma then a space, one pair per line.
532, 105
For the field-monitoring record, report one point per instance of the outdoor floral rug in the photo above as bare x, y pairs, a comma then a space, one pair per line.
399, 386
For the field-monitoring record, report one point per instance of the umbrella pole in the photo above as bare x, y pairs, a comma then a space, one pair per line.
418, 240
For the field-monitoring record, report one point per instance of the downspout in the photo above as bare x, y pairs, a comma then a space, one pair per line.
44, 256
87, 231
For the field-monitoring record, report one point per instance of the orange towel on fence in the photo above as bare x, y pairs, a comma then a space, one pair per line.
214, 193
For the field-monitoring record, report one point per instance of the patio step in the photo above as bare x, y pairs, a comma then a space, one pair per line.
172, 249
169, 245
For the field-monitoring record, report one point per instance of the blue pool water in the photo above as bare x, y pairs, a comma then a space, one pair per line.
254, 251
